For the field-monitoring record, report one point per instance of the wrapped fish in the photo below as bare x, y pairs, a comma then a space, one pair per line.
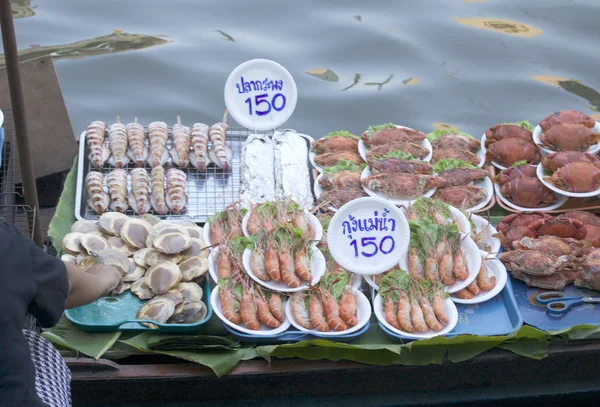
258, 170
94, 138
158, 133
176, 197
139, 199
220, 153
117, 141
199, 156
292, 173
116, 181
98, 200
138, 151
157, 196
181, 144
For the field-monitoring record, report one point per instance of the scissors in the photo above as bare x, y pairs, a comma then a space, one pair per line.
558, 304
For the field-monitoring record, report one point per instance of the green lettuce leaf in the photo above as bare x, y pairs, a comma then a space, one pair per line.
375, 129
341, 133
344, 165
520, 163
439, 133
398, 154
450, 164
523, 123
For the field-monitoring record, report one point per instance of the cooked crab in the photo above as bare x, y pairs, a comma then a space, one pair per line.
464, 155
402, 185
567, 116
342, 179
569, 137
554, 161
339, 197
587, 218
390, 134
561, 227
335, 144
456, 141
415, 149
516, 226
330, 159
512, 173
508, 151
556, 281
576, 177
532, 262
461, 176
502, 131
528, 192
398, 165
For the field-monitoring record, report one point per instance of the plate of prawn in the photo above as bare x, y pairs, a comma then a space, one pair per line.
483, 235
258, 320
490, 281
442, 315
307, 311
310, 225
265, 268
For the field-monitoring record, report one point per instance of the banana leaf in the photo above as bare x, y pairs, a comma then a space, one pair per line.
64, 216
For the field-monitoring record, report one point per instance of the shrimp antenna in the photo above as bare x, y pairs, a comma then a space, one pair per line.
118, 119
178, 119
135, 120
225, 116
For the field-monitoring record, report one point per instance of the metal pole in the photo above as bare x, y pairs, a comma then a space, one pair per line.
18, 106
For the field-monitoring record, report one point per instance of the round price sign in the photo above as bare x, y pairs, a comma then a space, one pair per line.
368, 236
260, 94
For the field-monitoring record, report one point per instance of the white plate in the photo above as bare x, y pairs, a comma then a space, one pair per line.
362, 150
317, 188
472, 257
540, 175
312, 221
264, 330
562, 199
212, 265
311, 157
492, 242
461, 220
495, 268
206, 234
484, 150
537, 133
1, 118
405, 202
317, 269
363, 315
451, 313
373, 284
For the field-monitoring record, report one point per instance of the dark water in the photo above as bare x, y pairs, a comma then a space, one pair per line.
422, 64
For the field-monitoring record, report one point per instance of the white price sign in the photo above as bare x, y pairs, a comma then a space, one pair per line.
368, 236
260, 94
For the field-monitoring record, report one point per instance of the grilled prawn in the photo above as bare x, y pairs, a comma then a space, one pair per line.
139, 199
138, 151
116, 181
158, 133
94, 137
176, 198
181, 144
199, 156
220, 153
157, 197
98, 200
117, 141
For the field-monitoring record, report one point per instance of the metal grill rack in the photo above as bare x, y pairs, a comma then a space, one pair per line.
209, 191
22, 216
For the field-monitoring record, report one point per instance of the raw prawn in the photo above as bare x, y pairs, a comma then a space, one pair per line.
473, 287
230, 306
299, 311
137, 152
332, 312
248, 311
276, 306
464, 294
404, 313
199, 156
257, 264
234, 221
254, 223
264, 313
429, 315
415, 267
272, 261
224, 265
286, 263
390, 312
349, 307
94, 138
317, 314
301, 264
416, 315
157, 187
220, 153
484, 280
181, 144
439, 308
299, 221
117, 141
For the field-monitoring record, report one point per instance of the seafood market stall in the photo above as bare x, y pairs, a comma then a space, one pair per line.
389, 247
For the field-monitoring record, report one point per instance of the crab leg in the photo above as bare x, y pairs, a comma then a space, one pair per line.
117, 141
157, 197
138, 151
139, 199
94, 137
220, 153
116, 181
98, 200
199, 156
176, 197
181, 144
158, 133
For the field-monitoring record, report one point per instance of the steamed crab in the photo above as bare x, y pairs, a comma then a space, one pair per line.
553, 161
567, 116
561, 227
513, 173
515, 226
502, 131
528, 192
508, 151
569, 137
576, 177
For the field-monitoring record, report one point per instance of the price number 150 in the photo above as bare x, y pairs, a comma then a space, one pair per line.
370, 248
262, 106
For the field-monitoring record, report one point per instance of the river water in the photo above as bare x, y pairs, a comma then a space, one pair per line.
424, 64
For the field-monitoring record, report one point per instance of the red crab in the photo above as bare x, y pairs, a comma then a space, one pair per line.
502, 131
512, 173
576, 177
569, 137
508, 151
567, 116
561, 227
553, 161
514, 227
586, 218
528, 192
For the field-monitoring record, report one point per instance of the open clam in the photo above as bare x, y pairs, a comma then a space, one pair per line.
84, 226
174, 296
190, 291
140, 257
188, 312
124, 287
141, 290
69, 258
162, 277
118, 244
193, 268
157, 309
134, 272
115, 258
197, 249
172, 243
135, 232
154, 257
151, 219
112, 222
93, 244
71, 242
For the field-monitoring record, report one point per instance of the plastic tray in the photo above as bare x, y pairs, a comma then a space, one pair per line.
535, 314
118, 313
294, 335
497, 316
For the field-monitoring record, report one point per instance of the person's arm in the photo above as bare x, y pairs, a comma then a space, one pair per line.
91, 284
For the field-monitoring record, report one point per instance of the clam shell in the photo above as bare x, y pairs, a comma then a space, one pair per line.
72, 242
141, 290
112, 222
151, 219
86, 261
190, 291
134, 273
140, 257
162, 277
93, 244
195, 232
188, 312
157, 309
174, 296
154, 257
193, 268
124, 287
118, 244
69, 258
116, 258
195, 250
84, 226
135, 232
172, 243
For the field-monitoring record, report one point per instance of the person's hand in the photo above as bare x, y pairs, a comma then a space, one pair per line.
111, 277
